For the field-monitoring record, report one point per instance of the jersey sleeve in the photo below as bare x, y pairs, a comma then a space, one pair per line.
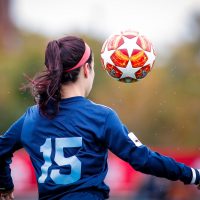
127, 147
9, 143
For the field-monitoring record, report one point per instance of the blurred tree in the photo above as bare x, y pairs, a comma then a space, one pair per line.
28, 59
163, 109
7, 29
195, 26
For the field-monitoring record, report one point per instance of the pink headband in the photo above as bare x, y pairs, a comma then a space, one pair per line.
83, 60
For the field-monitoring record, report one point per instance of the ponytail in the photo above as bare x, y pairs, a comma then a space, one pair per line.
46, 86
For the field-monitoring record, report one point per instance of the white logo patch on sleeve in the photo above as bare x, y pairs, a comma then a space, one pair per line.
134, 139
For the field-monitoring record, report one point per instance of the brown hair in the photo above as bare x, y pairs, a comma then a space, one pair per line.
60, 56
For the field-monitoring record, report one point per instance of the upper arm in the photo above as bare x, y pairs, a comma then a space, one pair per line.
10, 141
126, 146
117, 137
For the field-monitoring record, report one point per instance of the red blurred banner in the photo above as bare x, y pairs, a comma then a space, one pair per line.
121, 178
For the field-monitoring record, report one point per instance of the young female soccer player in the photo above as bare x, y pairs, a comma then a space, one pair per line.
68, 136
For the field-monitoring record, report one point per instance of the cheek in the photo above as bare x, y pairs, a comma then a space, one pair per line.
93, 72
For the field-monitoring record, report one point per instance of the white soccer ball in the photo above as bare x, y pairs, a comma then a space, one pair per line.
127, 56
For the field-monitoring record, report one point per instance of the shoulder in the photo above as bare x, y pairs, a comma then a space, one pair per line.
109, 115
101, 108
32, 111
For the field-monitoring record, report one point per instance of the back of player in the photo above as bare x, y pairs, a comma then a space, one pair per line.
67, 152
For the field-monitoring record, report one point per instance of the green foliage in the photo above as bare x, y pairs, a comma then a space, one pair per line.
27, 57
163, 109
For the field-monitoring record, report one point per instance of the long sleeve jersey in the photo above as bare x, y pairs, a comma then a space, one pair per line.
69, 152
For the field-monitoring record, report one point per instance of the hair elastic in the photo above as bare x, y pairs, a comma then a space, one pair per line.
83, 60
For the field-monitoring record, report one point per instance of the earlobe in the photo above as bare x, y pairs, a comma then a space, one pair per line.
85, 70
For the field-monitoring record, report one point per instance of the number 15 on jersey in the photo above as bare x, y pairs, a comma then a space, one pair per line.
60, 160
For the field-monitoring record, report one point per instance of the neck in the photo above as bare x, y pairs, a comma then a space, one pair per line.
71, 90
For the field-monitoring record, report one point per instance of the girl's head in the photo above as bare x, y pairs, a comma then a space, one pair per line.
63, 61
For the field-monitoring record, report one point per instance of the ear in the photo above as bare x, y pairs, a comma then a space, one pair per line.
86, 70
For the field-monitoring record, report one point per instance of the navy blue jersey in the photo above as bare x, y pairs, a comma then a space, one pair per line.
69, 152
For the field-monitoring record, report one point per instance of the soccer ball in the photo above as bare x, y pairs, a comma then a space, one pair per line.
127, 56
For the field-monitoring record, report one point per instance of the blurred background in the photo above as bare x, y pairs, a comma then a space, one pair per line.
163, 110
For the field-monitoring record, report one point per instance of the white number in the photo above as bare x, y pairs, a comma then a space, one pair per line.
46, 149
61, 160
